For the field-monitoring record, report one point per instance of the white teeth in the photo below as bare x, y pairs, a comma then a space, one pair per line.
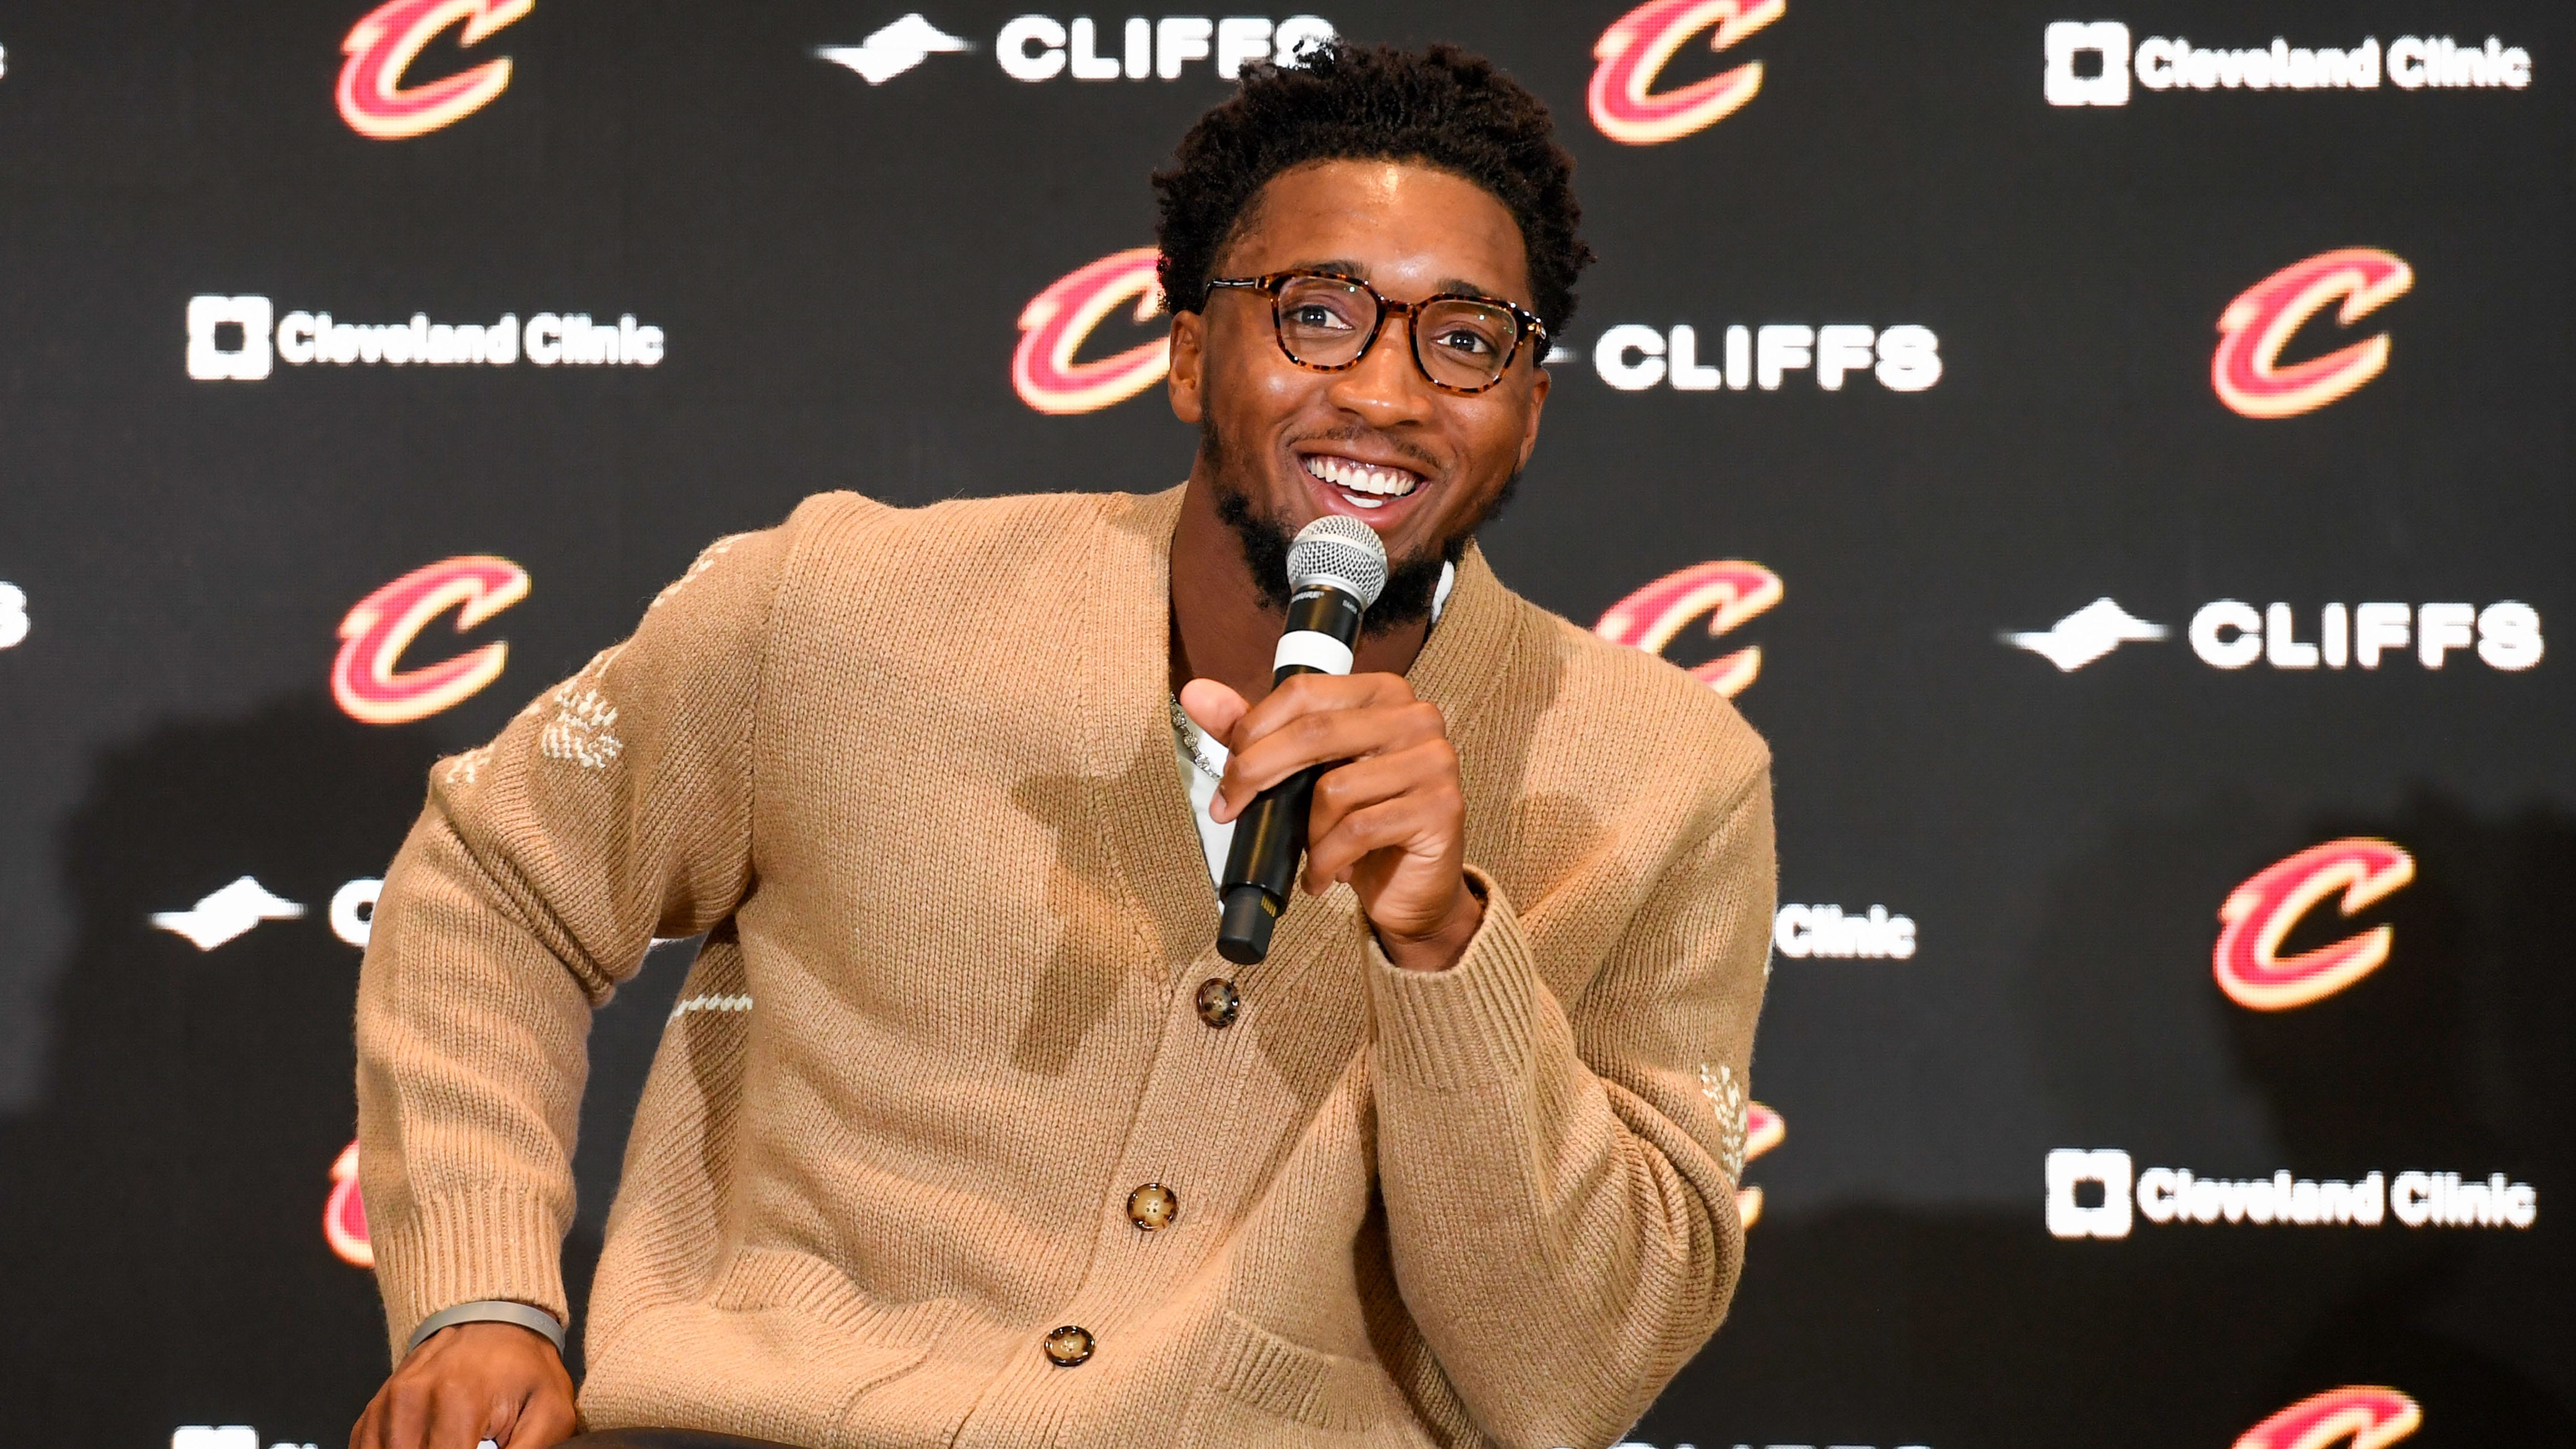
1359, 478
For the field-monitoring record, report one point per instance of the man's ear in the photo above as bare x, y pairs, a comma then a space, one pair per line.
1189, 354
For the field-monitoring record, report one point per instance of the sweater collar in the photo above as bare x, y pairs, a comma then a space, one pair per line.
1128, 721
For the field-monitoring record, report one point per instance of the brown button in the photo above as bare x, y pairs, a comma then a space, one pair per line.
1153, 1207
1068, 1346
1219, 1002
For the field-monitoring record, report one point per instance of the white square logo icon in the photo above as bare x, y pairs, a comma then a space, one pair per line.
210, 359
2070, 39
2069, 1169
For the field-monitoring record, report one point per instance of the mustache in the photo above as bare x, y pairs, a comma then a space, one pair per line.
1412, 453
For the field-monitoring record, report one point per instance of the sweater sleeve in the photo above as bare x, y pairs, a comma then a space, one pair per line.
1560, 1180
613, 809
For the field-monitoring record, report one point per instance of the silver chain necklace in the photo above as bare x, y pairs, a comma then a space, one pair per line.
1187, 731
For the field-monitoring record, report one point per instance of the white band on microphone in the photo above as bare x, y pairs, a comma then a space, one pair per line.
1314, 651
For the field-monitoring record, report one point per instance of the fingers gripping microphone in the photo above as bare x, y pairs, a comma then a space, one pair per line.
1335, 570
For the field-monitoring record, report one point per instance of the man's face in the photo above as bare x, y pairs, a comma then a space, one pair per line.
1275, 432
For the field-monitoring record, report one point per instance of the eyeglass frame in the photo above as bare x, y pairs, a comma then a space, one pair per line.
1526, 324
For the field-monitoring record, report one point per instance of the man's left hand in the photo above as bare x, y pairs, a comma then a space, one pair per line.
1390, 818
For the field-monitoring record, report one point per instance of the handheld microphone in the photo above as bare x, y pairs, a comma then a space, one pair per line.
1335, 569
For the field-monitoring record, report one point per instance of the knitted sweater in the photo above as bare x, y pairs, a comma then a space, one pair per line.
911, 770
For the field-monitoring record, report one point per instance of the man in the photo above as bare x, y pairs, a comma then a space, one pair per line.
962, 1133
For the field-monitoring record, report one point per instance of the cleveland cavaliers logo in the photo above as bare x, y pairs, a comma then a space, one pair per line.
2260, 914
2247, 370
374, 100
1045, 371
365, 678
2360, 1418
1763, 1130
1634, 51
344, 1213
1728, 592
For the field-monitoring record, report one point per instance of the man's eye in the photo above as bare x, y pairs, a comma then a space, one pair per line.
1316, 315
1467, 343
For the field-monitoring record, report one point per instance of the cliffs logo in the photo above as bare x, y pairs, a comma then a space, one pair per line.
381, 47
365, 678
1634, 357
2260, 914
2366, 1417
1634, 51
1046, 372
2247, 369
1729, 592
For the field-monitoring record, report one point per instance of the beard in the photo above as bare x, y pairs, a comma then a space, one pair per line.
1410, 582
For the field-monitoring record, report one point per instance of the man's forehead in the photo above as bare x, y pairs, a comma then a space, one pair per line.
1385, 220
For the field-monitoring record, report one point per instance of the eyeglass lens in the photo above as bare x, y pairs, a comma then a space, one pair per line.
1460, 343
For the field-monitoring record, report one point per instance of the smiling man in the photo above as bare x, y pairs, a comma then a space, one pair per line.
962, 1132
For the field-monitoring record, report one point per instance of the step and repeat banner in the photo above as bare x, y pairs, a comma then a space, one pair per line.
2117, 451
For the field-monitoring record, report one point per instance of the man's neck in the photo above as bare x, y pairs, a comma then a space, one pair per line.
1222, 629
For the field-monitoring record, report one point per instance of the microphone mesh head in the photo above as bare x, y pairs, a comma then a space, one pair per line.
1339, 551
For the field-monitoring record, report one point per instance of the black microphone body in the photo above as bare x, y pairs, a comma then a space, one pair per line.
1270, 835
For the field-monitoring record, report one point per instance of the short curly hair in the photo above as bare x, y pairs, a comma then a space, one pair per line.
1442, 107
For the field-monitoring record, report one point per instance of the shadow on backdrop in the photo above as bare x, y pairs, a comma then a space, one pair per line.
1882, 1326
162, 1259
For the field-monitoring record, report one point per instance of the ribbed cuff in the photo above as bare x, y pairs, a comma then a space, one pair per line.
1470, 1024
445, 1251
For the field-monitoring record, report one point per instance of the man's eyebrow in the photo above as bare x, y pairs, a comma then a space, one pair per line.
1357, 272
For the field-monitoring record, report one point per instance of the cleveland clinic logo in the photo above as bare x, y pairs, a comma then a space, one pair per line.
1039, 48
242, 339
2091, 63
2100, 1193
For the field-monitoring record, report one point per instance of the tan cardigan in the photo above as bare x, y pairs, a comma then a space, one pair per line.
913, 770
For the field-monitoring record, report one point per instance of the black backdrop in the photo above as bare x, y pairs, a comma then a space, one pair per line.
839, 265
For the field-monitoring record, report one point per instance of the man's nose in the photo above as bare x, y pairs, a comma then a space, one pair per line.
1385, 389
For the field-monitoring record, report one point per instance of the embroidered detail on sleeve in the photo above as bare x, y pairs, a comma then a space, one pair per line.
711, 1003
705, 561
579, 730
467, 767
1726, 1097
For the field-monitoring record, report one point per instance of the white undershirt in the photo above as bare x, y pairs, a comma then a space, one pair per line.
1214, 838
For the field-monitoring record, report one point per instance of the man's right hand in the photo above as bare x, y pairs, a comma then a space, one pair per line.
469, 1383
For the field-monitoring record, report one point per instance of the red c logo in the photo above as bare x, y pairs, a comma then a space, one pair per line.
2261, 912
2246, 369
2370, 1417
385, 622
383, 46
344, 1214
1729, 592
1763, 1130
1635, 50
1057, 322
